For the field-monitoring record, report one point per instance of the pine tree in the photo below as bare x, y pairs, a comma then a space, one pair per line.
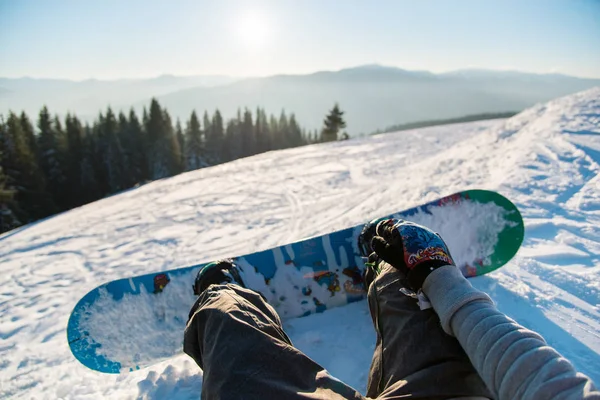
181, 142
145, 117
233, 136
51, 145
262, 134
23, 175
90, 188
332, 124
114, 157
284, 127
96, 153
158, 157
8, 219
215, 138
136, 148
206, 132
6, 195
172, 152
275, 132
232, 143
74, 156
128, 146
193, 144
247, 135
294, 133
29, 131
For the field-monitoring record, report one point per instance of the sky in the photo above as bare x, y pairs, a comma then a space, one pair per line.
113, 39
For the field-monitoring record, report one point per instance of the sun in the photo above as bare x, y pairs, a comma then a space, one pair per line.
253, 29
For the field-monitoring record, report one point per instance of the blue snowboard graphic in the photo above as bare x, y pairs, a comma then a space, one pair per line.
131, 323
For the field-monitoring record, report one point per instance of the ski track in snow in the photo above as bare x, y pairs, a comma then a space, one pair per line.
546, 160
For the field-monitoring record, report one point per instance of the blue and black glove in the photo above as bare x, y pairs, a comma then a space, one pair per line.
411, 248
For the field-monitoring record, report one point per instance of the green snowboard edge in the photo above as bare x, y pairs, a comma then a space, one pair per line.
510, 238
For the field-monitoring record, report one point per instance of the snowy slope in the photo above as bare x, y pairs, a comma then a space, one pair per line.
546, 159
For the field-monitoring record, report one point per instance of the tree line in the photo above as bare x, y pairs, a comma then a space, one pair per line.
436, 122
59, 164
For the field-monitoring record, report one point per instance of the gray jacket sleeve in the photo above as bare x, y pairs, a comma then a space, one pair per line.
514, 362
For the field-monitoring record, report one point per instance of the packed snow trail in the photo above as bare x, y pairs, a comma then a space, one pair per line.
545, 159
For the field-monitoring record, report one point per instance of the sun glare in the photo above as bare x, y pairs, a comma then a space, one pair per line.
252, 29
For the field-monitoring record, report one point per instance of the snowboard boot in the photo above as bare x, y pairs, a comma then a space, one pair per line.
217, 273
372, 260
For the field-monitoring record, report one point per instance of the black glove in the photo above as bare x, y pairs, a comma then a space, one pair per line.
411, 248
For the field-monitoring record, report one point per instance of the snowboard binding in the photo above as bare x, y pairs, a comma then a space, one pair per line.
217, 273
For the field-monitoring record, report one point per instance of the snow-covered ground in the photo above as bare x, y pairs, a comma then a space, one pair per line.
546, 159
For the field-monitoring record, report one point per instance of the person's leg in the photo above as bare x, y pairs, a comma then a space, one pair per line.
413, 355
238, 341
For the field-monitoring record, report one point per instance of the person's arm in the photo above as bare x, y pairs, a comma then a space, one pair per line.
514, 362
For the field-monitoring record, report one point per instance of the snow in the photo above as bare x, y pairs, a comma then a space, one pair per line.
546, 160
460, 228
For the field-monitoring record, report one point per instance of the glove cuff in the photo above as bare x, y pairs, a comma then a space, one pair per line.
420, 272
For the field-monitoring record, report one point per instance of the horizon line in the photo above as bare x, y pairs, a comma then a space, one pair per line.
211, 75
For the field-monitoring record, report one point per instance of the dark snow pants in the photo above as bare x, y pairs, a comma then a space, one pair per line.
238, 341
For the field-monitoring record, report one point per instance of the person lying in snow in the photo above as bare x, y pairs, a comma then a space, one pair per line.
461, 348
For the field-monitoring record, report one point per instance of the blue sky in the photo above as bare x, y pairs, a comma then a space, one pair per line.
109, 39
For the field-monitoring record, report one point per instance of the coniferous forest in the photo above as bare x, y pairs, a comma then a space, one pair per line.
49, 164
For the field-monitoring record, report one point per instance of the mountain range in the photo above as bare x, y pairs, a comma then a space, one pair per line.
373, 96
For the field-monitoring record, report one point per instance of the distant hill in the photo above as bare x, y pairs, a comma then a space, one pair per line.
373, 96
87, 98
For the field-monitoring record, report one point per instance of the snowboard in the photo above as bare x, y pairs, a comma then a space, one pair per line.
131, 323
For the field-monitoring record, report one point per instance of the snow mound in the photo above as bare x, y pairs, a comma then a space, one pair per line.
546, 160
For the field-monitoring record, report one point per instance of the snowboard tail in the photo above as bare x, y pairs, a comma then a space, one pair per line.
134, 322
